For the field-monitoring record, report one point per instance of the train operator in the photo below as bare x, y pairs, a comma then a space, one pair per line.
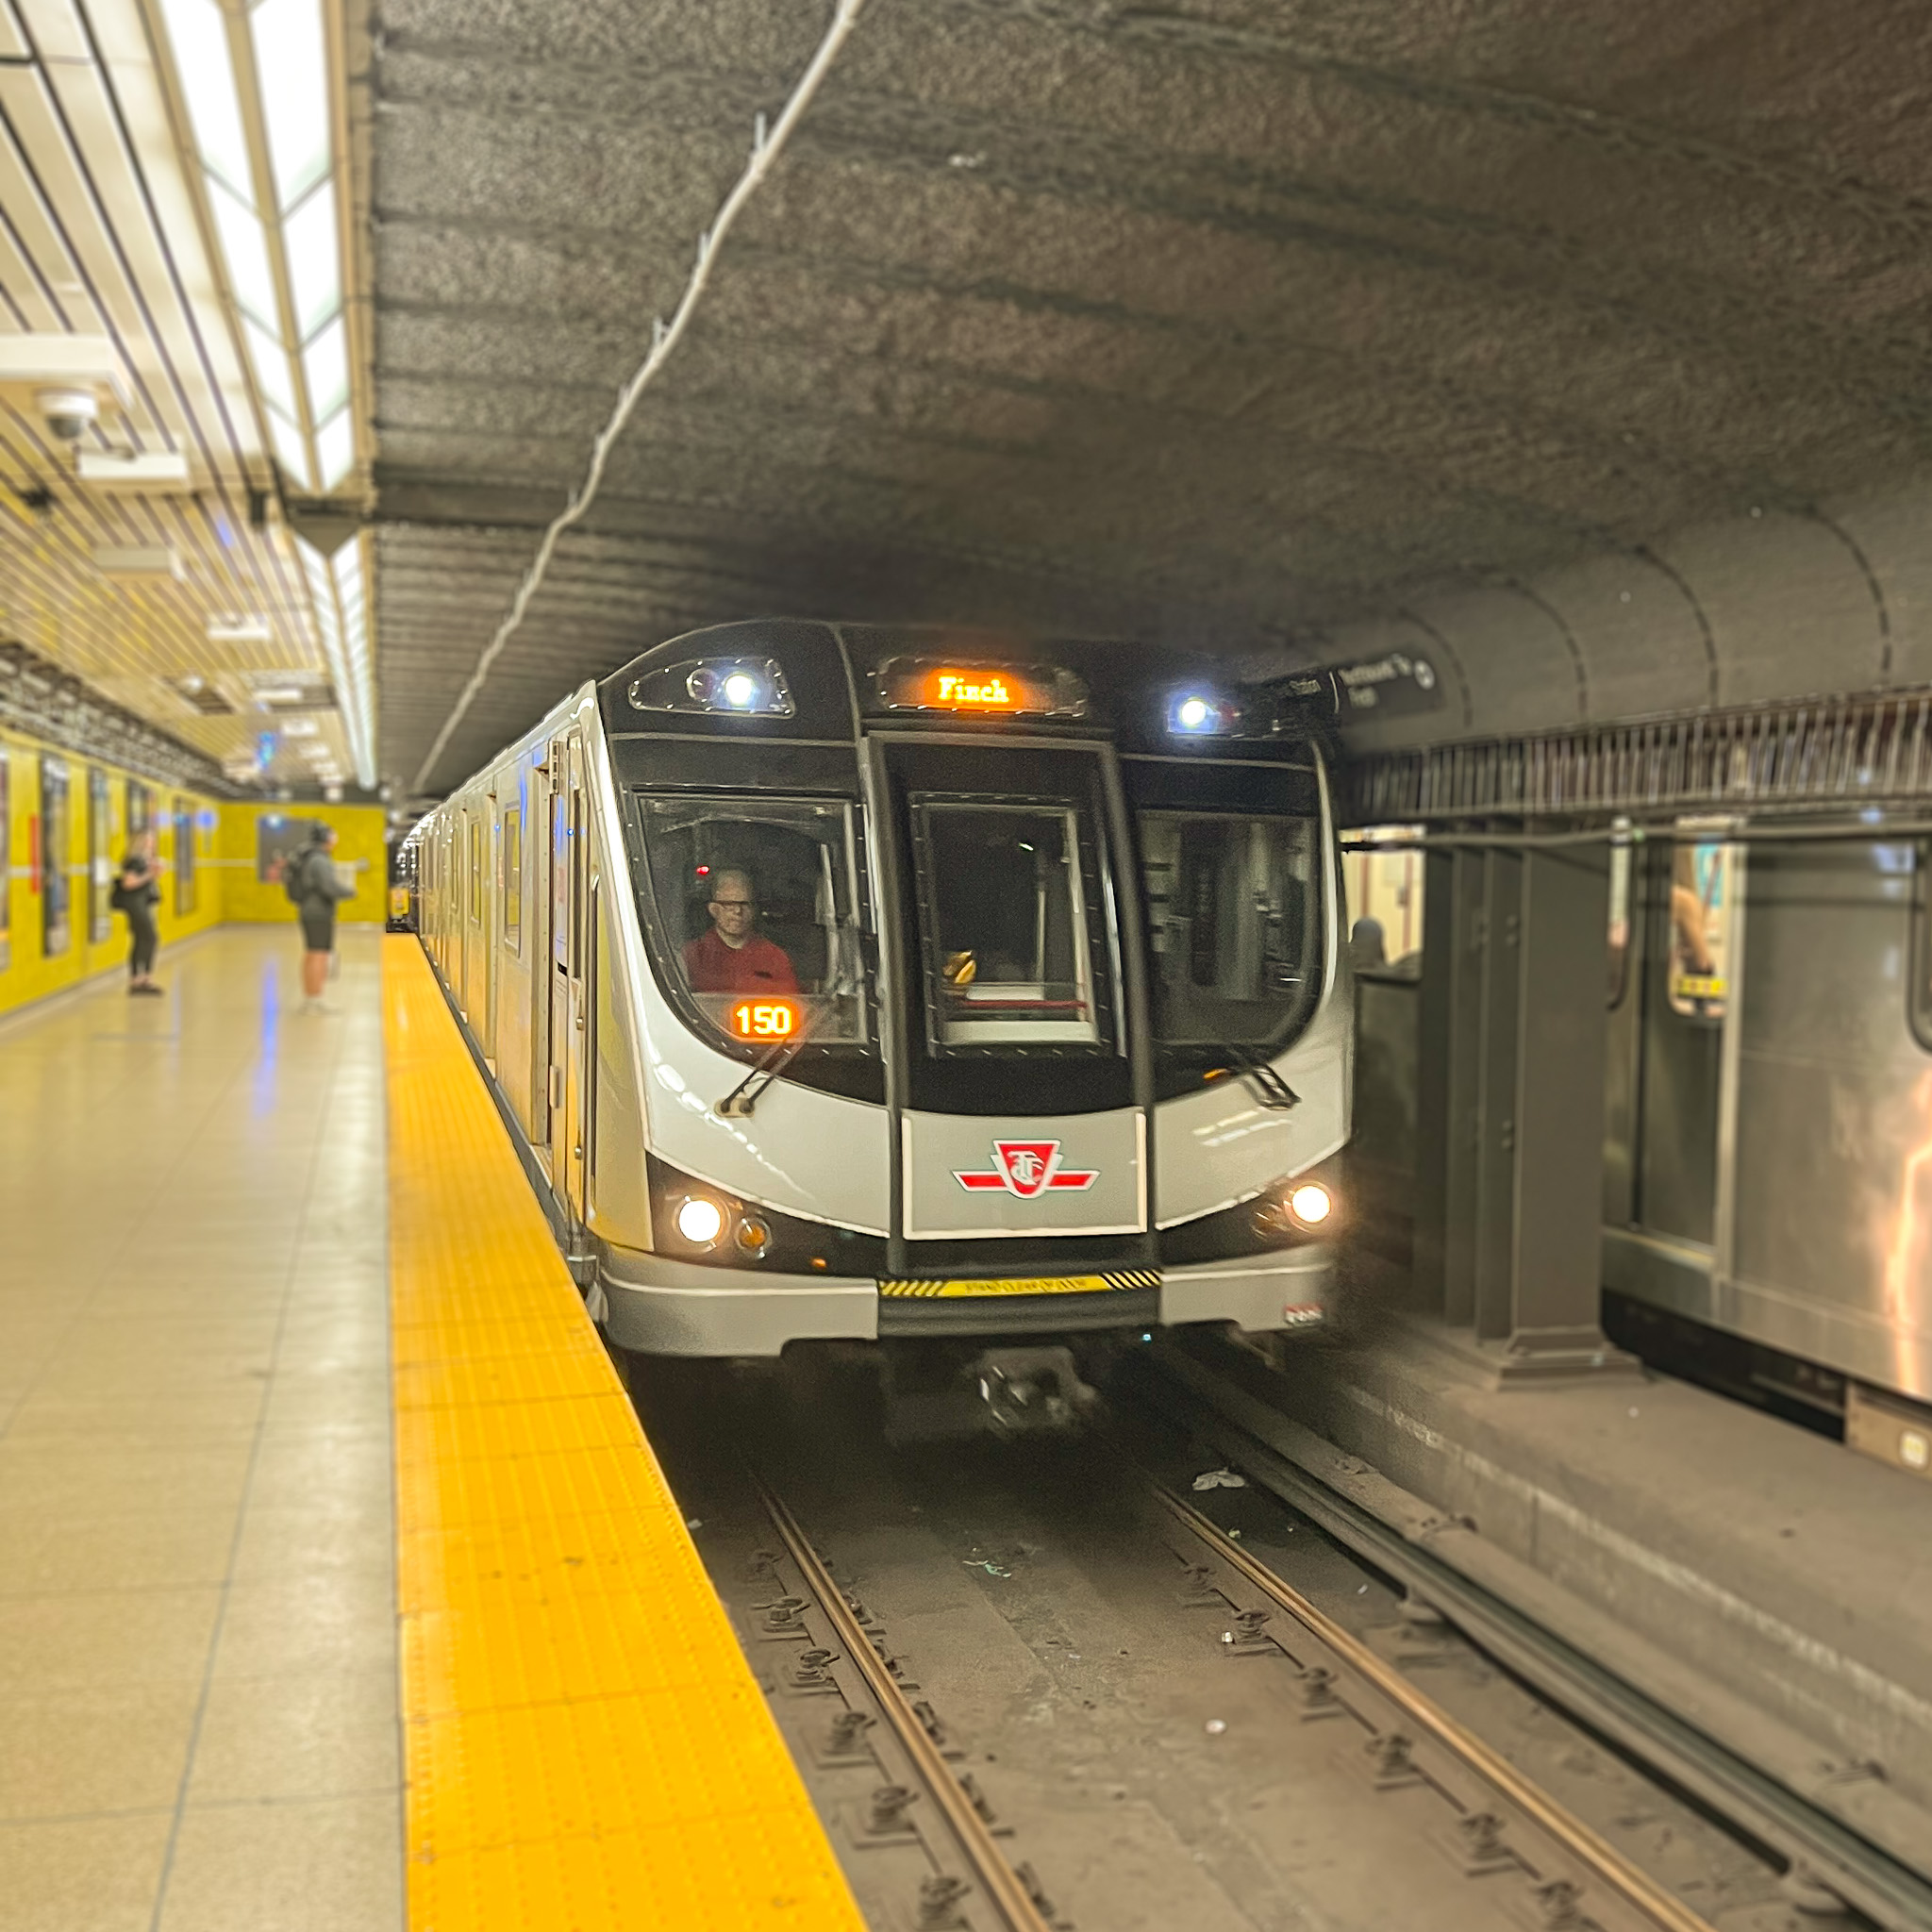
731, 958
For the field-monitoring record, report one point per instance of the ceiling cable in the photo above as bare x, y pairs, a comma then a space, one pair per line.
767, 145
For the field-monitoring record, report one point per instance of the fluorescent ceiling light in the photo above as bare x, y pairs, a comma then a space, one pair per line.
279, 694
291, 450
335, 448
271, 368
325, 363
292, 65
301, 728
314, 252
208, 80
247, 254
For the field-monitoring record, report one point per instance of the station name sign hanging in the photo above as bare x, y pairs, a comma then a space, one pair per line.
1395, 685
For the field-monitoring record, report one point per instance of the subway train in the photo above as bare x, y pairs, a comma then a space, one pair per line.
846, 982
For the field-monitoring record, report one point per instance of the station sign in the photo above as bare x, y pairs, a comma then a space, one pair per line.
1398, 684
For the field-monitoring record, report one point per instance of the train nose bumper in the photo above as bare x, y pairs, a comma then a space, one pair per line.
656, 1306
1292, 1289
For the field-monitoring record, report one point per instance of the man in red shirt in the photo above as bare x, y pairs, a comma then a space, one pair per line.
731, 958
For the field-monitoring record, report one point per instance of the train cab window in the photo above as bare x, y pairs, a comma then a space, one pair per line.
513, 879
1231, 903
1703, 899
756, 923
1009, 910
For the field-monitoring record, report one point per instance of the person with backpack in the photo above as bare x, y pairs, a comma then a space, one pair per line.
308, 878
137, 892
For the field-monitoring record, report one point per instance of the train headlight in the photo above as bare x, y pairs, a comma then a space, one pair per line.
753, 1236
700, 1221
739, 690
1310, 1204
1201, 713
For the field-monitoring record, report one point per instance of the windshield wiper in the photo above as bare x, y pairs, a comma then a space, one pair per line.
738, 1104
1270, 1089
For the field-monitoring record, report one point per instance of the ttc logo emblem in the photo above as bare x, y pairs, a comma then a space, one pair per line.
1026, 1168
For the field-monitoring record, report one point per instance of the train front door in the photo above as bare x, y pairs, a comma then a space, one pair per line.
569, 1015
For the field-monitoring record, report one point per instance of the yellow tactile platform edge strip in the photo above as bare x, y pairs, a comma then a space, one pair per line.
585, 1746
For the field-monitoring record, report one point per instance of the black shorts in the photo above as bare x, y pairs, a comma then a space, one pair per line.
319, 929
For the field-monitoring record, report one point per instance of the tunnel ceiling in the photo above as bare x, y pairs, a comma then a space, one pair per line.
1228, 321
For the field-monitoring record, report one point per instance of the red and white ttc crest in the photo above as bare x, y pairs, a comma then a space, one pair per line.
1026, 1168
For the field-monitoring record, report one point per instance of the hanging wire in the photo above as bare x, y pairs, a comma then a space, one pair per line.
767, 145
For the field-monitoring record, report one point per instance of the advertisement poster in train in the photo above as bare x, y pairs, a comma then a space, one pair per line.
1702, 904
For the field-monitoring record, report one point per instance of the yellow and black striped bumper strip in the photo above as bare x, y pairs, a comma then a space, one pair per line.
1032, 1284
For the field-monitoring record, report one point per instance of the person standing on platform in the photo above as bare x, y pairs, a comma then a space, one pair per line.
309, 880
137, 893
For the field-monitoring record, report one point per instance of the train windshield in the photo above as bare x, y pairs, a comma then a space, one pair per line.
1232, 900
756, 916
1013, 925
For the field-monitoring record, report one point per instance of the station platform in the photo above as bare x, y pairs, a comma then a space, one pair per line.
342, 1589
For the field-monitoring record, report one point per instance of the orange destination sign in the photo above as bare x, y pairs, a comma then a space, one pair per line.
926, 684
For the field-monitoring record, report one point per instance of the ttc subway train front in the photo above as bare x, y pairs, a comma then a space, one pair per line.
843, 982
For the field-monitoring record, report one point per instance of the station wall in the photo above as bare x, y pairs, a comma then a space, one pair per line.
248, 831
55, 928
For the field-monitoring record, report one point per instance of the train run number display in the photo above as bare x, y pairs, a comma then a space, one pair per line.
764, 1020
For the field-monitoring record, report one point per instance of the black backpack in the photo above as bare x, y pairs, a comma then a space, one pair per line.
296, 875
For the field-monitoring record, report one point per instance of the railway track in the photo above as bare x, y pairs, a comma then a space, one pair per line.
1035, 1685
1826, 1865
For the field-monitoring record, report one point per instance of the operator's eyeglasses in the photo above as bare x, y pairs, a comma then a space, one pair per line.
736, 905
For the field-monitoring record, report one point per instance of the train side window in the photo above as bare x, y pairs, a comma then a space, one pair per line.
1620, 921
1009, 906
1704, 884
1385, 900
1918, 991
757, 924
514, 879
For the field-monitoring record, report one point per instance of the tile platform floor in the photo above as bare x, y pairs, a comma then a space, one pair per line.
198, 1715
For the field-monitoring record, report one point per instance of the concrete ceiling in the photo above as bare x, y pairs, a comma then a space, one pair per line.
1228, 322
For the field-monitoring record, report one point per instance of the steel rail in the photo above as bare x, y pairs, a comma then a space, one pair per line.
998, 1883
1817, 1843
1603, 1861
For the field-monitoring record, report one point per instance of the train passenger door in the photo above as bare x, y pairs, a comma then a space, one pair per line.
569, 1010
